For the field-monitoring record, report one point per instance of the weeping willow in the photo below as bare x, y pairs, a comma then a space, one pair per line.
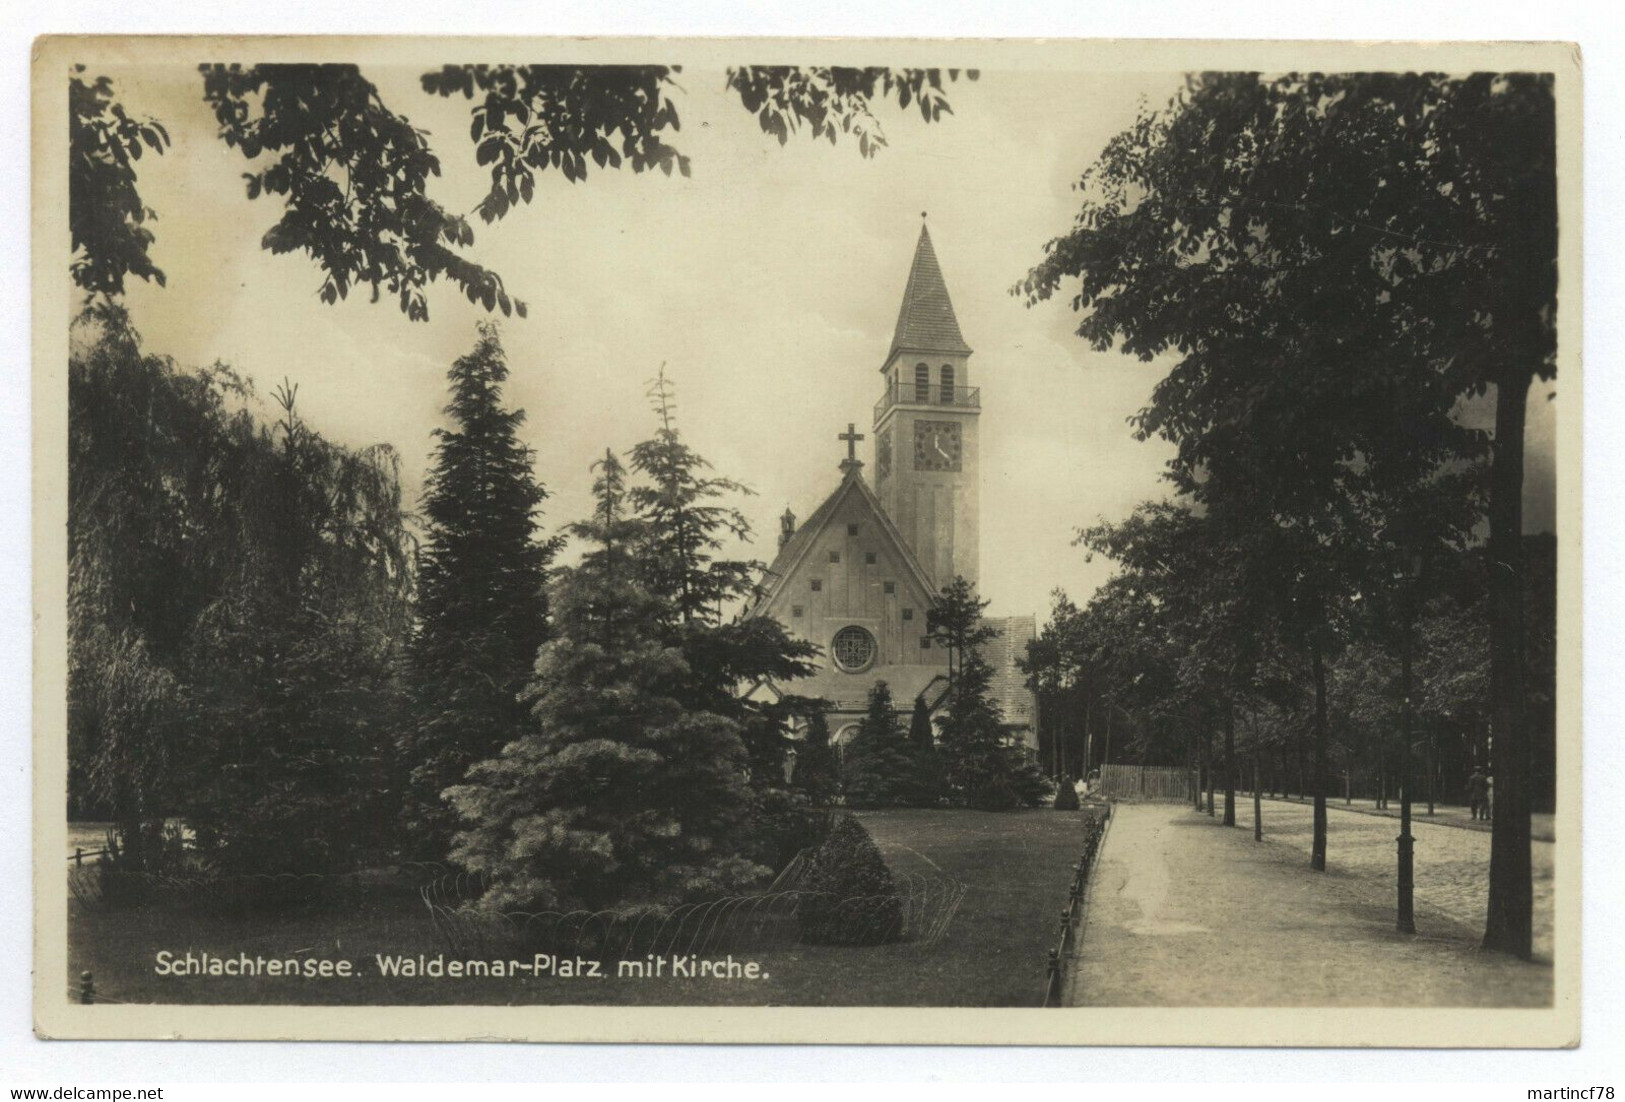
239, 594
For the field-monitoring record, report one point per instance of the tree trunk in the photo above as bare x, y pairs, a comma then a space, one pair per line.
1230, 764
1317, 854
1509, 924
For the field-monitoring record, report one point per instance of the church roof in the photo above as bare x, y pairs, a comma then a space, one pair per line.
926, 322
796, 548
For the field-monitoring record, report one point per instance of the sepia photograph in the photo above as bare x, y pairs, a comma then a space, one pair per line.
907, 541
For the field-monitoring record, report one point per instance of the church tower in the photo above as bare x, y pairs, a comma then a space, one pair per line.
927, 470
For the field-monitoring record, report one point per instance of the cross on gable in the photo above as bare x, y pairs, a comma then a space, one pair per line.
851, 436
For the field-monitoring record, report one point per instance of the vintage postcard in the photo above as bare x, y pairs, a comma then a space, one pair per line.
807, 541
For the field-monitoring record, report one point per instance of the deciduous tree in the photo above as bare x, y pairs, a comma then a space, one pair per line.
1336, 261
106, 217
353, 174
238, 599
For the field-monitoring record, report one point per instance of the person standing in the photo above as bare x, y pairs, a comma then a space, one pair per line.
1478, 794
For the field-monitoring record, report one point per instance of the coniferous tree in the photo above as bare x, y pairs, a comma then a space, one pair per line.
817, 770
617, 793
977, 764
765, 734
876, 767
973, 739
686, 521
956, 625
686, 526
297, 663
482, 601
919, 726
926, 777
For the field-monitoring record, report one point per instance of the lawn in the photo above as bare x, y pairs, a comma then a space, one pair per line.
1016, 868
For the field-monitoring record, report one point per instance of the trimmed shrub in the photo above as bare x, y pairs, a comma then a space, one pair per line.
852, 900
780, 833
1066, 796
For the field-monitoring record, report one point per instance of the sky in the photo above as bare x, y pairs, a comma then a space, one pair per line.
768, 285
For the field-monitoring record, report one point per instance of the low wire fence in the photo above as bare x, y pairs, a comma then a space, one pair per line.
1062, 956
919, 912
100, 888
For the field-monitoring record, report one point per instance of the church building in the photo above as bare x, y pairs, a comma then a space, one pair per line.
860, 575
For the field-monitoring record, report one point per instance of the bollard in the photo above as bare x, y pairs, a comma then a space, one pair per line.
78, 856
87, 988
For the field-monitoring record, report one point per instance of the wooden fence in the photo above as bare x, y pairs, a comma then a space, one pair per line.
1148, 783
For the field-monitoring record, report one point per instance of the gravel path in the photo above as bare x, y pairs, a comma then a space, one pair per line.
1185, 912
1452, 865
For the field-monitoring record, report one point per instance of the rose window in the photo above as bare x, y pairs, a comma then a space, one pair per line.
854, 649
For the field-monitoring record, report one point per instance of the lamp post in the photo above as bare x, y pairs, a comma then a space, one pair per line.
1406, 923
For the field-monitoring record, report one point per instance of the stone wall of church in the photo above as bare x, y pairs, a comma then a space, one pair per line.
852, 577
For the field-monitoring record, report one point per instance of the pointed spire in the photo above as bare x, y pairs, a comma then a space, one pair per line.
926, 323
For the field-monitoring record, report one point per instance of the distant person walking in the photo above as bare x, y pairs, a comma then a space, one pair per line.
1478, 795
1489, 797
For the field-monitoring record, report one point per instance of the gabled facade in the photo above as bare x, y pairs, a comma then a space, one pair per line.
860, 576
847, 581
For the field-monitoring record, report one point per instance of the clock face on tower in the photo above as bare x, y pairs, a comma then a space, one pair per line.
936, 446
